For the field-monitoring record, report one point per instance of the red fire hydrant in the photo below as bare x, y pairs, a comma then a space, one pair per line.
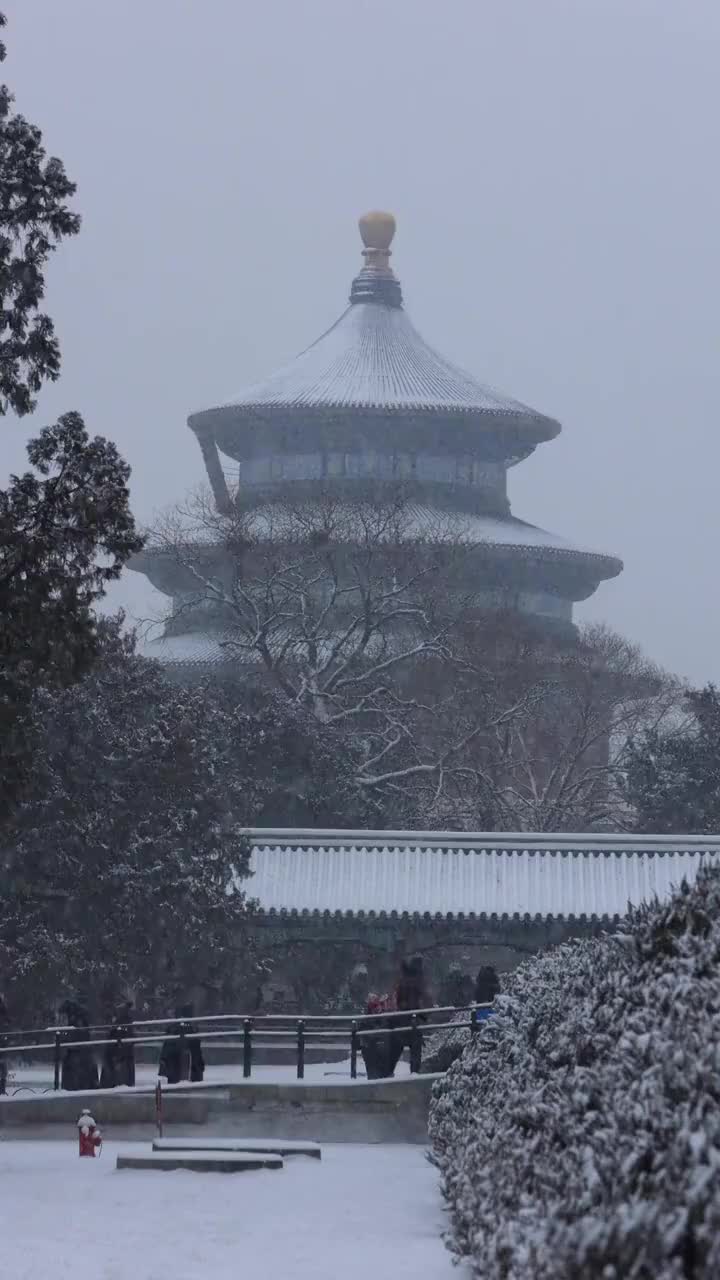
89, 1135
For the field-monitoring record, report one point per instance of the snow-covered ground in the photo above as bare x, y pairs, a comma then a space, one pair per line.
360, 1213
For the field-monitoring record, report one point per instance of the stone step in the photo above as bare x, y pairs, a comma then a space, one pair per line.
201, 1161
271, 1146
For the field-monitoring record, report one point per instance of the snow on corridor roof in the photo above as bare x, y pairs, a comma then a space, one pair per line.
483, 874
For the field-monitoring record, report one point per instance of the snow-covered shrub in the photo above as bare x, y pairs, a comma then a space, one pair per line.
579, 1136
445, 1047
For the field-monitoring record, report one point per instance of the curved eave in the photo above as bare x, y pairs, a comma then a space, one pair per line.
167, 573
165, 570
226, 424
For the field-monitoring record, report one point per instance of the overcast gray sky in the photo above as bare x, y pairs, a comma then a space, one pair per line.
553, 166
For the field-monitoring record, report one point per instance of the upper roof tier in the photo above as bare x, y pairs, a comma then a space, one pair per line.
373, 364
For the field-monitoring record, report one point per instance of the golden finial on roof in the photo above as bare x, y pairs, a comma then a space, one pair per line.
377, 230
376, 282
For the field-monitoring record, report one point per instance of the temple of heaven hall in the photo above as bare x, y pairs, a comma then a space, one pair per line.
369, 405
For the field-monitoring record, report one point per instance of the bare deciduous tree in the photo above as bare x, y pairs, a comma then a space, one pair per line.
359, 611
351, 608
558, 763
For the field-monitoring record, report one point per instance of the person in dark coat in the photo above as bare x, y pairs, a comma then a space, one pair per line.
375, 1050
118, 1065
79, 1069
487, 986
411, 994
457, 987
359, 986
175, 1064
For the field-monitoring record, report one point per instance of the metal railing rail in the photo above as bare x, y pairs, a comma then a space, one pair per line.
301, 1030
267, 1017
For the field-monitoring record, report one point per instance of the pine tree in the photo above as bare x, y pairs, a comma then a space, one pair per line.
119, 857
673, 777
65, 527
34, 218
65, 531
120, 853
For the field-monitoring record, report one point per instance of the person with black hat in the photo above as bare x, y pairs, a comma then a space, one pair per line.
411, 994
176, 1063
79, 1068
487, 986
118, 1065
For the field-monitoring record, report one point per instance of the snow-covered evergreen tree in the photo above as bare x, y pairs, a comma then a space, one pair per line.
117, 860
65, 525
673, 776
579, 1136
66, 531
34, 218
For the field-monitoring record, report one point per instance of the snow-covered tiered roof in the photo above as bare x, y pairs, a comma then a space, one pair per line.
366, 408
373, 360
480, 874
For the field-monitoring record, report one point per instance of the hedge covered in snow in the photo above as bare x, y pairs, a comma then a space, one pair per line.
579, 1136
445, 1047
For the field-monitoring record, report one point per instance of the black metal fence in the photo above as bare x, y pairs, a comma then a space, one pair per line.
249, 1031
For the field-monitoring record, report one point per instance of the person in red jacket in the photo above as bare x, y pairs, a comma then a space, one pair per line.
375, 1050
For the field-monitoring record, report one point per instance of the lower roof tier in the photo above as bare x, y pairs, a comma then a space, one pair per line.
502, 553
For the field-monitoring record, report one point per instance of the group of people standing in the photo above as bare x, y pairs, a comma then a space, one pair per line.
382, 1052
79, 1068
181, 1056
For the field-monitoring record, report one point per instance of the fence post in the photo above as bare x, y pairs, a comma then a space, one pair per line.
247, 1047
415, 1045
131, 1056
158, 1107
300, 1049
353, 1049
115, 1033
473, 1021
56, 1062
184, 1053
